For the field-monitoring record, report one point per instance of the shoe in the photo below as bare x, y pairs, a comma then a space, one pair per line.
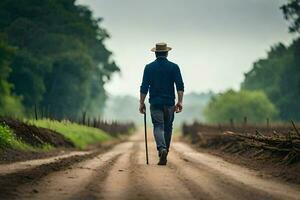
163, 157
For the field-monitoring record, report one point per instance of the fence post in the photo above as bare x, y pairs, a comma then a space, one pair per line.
35, 112
83, 117
297, 132
231, 123
95, 122
47, 111
42, 112
245, 121
98, 122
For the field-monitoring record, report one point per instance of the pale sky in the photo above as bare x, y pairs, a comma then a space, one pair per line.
214, 41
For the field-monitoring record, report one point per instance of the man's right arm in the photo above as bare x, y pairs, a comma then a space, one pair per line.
144, 90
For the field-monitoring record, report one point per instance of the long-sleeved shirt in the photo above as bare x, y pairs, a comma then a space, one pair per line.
159, 79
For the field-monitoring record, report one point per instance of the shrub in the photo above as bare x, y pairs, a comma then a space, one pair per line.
254, 105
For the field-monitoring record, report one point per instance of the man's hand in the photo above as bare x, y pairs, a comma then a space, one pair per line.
178, 107
142, 108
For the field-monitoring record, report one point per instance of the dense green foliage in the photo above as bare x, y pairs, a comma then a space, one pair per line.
80, 135
278, 76
236, 105
59, 63
9, 103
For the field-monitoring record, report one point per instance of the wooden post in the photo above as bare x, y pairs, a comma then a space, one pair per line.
83, 117
35, 112
95, 122
98, 123
219, 126
42, 112
245, 121
295, 128
231, 123
146, 140
47, 111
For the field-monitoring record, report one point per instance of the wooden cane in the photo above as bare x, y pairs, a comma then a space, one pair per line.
146, 143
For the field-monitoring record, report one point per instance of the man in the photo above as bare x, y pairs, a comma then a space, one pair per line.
159, 77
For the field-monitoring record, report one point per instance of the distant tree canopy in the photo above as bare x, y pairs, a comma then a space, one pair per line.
254, 105
60, 62
278, 75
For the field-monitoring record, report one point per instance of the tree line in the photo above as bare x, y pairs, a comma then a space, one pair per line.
271, 89
52, 55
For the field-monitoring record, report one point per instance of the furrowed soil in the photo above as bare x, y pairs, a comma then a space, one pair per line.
36, 137
121, 173
259, 148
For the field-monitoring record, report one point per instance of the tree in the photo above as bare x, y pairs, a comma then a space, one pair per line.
10, 104
291, 11
266, 73
61, 62
289, 86
278, 76
254, 105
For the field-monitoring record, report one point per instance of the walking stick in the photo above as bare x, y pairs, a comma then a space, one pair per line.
146, 143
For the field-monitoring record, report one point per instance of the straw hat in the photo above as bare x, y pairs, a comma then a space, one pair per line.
161, 47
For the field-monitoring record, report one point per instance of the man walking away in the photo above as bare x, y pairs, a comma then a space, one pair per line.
159, 78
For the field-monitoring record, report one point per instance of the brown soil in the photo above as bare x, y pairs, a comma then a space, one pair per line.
267, 165
121, 173
10, 155
36, 136
9, 182
265, 162
210, 139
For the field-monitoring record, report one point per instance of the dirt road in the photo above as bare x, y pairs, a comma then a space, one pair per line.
121, 173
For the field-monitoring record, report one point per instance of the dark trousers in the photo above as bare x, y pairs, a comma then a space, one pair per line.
162, 119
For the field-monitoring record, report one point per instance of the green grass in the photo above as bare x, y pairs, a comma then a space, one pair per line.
9, 140
80, 135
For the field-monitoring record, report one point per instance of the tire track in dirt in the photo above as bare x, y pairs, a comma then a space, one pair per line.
219, 177
139, 187
214, 185
117, 185
153, 181
10, 182
124, 179
130, 178
91, 191
195, 189
112, 182
24, 165
74, 181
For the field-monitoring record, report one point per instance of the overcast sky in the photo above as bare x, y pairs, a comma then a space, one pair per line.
214, 41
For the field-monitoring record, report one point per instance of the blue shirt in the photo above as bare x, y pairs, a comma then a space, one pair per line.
159, 78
